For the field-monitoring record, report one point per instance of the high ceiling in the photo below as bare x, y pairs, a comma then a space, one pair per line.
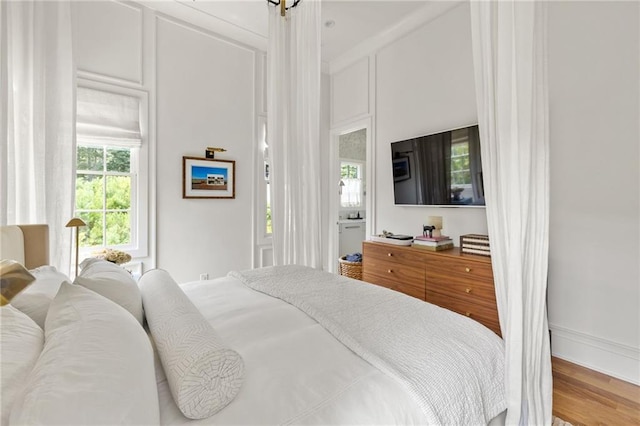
246, 20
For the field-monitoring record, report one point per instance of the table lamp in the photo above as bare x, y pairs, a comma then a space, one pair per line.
13, 279
76, 222
436, 222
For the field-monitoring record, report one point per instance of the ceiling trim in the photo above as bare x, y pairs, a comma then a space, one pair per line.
186, 12
413, 21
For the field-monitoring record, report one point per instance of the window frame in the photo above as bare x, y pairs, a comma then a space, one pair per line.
264, 238
139, 209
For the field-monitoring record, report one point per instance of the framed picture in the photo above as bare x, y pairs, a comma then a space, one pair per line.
401, 170
208, 178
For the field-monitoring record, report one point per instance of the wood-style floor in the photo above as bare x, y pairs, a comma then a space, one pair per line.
585, 397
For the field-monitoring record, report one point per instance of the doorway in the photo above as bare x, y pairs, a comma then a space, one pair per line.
351, 189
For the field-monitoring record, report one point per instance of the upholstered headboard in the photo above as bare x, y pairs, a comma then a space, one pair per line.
27, 244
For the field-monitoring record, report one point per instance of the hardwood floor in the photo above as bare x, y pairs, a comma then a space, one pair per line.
585, 397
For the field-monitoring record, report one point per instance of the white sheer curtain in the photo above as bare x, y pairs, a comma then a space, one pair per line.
509, 46
37, 76
351, 192
293, 94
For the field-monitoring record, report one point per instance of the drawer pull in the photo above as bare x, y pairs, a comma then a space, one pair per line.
389, 254
468, 290
467, 269
390, 271
468, 314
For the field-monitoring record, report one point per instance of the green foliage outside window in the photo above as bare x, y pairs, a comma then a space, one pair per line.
103, 195
348, 171
460, 173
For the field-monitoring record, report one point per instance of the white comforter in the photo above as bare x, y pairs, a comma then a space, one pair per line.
298, 373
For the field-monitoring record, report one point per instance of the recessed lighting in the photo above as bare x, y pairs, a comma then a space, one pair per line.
329, 23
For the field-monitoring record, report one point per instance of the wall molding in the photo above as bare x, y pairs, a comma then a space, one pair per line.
371, 45
184, 11
614, 359
138, 81
204, 31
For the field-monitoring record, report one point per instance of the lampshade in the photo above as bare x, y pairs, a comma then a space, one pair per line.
435, 221
75, 222
13, 279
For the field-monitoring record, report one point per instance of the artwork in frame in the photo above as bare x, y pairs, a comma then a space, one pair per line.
208, 178
401, 170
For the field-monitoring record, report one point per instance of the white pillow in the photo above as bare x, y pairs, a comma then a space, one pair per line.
21, 342
124, 292
94, 266
36, 298
96, 367
114, 283
203, 374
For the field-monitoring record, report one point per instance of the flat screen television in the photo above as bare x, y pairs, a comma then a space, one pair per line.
441, 169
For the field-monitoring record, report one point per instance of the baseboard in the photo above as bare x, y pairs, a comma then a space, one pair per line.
611, 358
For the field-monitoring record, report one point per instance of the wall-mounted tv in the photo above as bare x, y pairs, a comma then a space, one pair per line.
441, 169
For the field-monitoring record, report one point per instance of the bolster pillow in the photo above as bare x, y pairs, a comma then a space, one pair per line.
203, 374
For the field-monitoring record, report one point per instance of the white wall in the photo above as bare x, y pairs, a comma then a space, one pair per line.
424, 84
594, 278
202, 91
205, 91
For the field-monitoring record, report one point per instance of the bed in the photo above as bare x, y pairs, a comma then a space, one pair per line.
280, 345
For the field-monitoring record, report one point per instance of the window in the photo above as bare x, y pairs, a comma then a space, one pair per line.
111, 169
351, 184
104, 180
460, 172
264, 197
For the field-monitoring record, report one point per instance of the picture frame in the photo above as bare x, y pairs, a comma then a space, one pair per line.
208, 178
401, 169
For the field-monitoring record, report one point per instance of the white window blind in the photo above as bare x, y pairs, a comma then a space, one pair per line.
105, 118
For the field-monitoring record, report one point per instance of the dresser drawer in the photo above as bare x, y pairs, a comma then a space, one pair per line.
460, 266
484, 315
388, 252
392, 283
405, 278
461, 286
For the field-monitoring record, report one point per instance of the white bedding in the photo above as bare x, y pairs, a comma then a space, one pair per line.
282, 385
296, 371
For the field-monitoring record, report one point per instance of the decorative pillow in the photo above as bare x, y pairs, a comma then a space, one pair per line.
94, 267
203, 374
122, 290
96, 367
21, 342
36, 298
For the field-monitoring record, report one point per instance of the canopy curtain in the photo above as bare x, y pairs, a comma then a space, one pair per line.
293, 123
37, 76
509, 49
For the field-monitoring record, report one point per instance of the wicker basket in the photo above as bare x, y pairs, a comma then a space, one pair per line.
350, 269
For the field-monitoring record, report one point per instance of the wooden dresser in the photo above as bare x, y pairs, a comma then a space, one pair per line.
460, 282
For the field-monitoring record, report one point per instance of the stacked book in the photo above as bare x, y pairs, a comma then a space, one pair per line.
399, 240
433, 243
475, 244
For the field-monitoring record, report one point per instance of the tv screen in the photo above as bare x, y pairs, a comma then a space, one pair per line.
441, 169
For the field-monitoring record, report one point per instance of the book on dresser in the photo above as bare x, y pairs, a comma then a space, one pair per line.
433, 243
475, 244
